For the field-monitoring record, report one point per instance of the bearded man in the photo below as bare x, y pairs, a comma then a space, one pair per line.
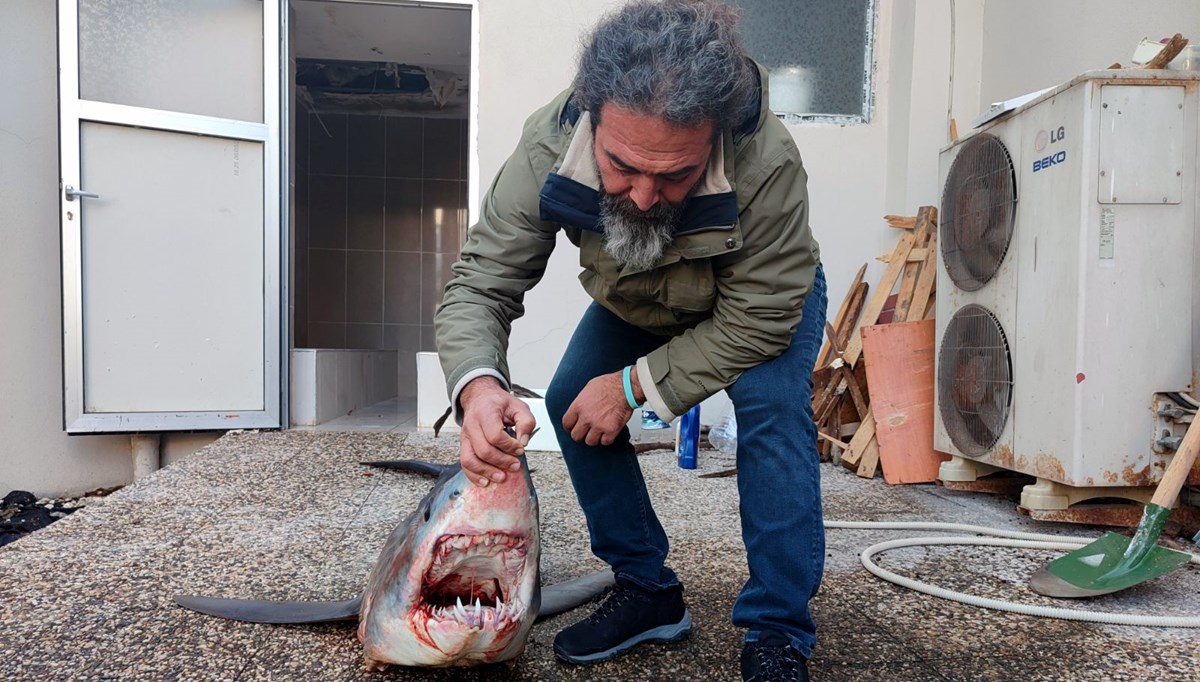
688, 202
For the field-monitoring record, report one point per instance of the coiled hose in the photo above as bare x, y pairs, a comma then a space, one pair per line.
999, 538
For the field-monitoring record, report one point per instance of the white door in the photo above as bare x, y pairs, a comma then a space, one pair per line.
170, 214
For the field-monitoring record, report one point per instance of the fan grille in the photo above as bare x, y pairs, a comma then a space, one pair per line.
978, 207
974, 380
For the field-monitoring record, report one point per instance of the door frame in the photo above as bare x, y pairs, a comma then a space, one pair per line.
286, 133
72, 112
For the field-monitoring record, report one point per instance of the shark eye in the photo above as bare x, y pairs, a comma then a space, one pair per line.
428, 508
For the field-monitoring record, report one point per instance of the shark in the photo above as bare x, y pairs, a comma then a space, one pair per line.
457, 583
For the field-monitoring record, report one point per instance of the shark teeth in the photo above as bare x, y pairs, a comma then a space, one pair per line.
449, 544
477, 615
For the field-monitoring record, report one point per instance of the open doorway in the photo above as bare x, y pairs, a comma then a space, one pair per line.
380, 101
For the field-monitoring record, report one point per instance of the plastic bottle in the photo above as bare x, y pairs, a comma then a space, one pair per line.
723, 436
651, 420
689, 438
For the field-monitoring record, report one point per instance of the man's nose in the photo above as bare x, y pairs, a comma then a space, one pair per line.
644, 192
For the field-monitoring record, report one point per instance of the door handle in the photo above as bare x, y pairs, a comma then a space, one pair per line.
71, 193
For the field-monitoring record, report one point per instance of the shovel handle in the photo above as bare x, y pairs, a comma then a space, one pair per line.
1177, 470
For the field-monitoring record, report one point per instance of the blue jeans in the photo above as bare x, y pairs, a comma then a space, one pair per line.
778, 478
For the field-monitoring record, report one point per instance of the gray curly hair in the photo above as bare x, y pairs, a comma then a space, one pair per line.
681, 60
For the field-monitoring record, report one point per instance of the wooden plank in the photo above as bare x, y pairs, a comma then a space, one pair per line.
914, 256
852, 317
830, 391
834, 441
879, 298
924, 288
1170, 51
860, 402
926, 225
899, 359
859, 442
870, 459
843, 311
827, 406
849, 412
904, 222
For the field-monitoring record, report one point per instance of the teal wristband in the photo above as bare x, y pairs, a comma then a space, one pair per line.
633, 403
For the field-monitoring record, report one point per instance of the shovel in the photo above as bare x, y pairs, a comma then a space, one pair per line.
1115, 562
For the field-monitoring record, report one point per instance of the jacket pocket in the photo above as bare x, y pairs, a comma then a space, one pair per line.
690, 286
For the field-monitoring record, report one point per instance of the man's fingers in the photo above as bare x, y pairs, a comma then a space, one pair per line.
476, 470
487, 448
496, 459
570, 419
580, 432
523, 424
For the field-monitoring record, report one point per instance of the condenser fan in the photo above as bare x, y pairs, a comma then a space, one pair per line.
978, 207
974, 379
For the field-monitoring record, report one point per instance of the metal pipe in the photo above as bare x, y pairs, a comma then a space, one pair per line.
146, 454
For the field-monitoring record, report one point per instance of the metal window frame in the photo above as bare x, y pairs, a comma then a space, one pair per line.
868, 84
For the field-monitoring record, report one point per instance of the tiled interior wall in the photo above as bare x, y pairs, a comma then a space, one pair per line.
381, 205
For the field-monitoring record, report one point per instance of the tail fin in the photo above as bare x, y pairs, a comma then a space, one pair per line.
563, 597
263, 611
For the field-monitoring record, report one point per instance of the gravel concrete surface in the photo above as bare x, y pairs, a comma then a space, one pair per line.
292, 515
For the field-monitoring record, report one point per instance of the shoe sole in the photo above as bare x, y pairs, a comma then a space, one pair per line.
661, 634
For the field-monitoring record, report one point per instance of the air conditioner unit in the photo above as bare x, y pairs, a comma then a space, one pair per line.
1067, 321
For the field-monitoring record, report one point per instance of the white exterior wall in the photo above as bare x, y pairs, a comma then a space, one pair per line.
857, 173
527, 54
1029, 44
35, 453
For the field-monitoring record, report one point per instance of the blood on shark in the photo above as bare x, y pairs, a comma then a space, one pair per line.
457, 582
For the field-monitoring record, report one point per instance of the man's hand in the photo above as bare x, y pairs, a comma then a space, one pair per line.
486, 450
600, 410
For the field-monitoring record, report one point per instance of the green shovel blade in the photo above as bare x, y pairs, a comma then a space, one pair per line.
1115, 562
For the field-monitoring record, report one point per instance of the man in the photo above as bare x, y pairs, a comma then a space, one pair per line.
688, 202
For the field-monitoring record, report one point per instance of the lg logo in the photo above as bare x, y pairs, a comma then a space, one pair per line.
1045, 138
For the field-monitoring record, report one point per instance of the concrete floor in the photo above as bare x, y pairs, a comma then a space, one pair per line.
394, 414
292, 516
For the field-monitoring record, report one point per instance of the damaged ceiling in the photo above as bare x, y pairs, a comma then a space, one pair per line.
377, 58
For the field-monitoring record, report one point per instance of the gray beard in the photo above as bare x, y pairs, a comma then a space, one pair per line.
633, 237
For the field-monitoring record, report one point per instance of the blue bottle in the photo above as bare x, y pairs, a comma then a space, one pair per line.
689, 438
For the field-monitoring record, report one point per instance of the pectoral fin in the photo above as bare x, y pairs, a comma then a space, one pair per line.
264, 611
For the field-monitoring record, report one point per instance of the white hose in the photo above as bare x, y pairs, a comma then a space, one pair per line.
1001, 538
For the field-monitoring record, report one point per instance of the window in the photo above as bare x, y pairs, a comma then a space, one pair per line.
817, 54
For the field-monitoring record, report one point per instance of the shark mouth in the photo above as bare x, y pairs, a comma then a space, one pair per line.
474, 580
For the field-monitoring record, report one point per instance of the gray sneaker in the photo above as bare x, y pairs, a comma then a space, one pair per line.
772, 658
628, 616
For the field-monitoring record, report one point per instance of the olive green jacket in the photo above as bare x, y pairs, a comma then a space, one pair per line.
726, 295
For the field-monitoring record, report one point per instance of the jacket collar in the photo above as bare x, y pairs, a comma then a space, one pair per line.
571, 196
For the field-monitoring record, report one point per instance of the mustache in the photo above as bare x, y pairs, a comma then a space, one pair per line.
627, 209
